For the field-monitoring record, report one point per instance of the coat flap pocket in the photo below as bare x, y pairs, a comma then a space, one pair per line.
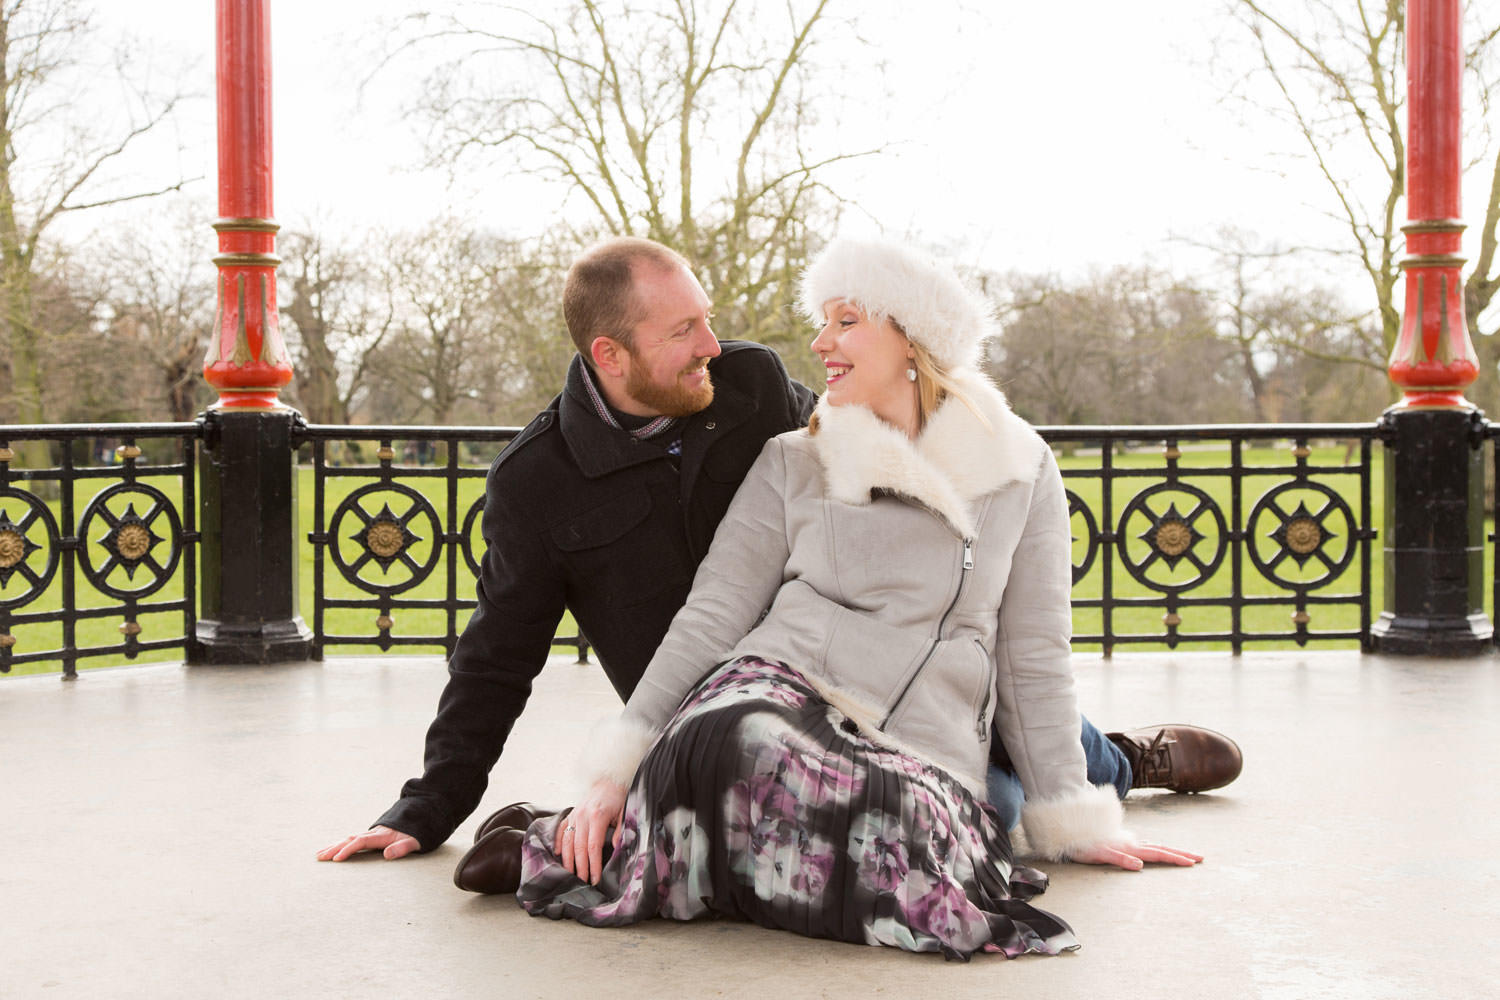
603, 524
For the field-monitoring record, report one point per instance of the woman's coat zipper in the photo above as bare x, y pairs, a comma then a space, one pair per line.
963, 576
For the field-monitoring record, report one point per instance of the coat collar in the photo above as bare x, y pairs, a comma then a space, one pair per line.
953, 462
599, 449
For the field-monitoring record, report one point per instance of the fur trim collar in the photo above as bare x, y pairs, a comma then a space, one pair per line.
953, 462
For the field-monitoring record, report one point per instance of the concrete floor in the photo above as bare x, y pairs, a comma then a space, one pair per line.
160, 824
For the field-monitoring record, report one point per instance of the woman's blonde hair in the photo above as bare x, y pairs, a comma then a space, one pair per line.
935, 384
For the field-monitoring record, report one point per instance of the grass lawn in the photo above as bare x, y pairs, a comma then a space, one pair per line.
433, 622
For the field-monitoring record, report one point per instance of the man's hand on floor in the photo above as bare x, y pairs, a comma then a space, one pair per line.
394, 843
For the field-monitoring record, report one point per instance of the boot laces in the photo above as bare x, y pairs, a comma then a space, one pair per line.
1156, 759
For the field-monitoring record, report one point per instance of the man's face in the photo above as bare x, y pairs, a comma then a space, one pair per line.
666, 366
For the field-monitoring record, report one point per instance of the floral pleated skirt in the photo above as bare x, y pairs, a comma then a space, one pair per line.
761, 802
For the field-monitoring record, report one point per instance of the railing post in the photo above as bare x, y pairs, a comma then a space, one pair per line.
248, 508
247, 467
1434, 469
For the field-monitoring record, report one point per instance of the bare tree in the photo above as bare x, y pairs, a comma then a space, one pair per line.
448, 344
1055, 355
444, 323
527, 315
340, 312
1182, 369
55, 159
88, 371
1270, 314
687, 121
1310, 359
162, 297
1337, 68
1129, 345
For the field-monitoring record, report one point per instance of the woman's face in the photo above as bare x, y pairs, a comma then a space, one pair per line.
867, 363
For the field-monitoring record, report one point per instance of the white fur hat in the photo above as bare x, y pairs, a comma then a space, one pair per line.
924, 296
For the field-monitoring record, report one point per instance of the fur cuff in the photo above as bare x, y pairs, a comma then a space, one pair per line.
615, 749
1055, 828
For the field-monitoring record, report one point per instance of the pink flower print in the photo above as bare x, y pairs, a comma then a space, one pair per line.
877, 846
937, 905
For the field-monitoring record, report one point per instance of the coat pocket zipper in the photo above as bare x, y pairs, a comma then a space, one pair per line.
988, 682
963, 576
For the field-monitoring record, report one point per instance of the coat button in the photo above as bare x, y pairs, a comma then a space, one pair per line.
709, 426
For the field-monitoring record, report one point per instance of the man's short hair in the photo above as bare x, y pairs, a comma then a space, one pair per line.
599, 298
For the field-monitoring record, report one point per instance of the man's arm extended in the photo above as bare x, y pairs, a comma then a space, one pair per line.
502, 649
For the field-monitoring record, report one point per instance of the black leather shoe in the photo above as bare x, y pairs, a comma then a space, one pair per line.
518, 815
1182, 758
493, 865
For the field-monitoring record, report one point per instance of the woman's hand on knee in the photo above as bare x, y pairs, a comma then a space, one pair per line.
1132, 856
579, 842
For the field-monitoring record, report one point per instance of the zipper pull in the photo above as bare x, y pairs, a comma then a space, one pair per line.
968, 553
980, 729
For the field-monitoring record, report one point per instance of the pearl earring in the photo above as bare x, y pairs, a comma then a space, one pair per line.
911, 374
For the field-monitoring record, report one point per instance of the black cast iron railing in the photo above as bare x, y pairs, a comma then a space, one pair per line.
70, 561
1152, 536
1225, 534
406, 503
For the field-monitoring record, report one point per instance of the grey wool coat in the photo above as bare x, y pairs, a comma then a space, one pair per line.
922, 586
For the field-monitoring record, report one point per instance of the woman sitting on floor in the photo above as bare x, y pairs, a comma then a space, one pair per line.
889, 590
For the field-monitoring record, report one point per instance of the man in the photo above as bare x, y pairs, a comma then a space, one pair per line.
606, 503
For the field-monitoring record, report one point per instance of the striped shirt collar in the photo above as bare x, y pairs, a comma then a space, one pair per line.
653, 428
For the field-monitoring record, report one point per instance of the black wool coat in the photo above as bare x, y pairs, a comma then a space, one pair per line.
582, 516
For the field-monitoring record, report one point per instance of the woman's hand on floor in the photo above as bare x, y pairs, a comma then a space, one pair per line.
1133, 857
579, 842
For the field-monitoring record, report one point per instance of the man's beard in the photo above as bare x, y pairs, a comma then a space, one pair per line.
674, 399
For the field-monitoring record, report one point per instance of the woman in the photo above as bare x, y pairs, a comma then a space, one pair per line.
807, 748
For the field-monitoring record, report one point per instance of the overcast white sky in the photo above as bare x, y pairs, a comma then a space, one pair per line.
1039, 137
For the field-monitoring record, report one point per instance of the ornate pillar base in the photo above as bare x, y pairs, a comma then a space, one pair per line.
1449, 637
219, 643
248, 514
1433, 534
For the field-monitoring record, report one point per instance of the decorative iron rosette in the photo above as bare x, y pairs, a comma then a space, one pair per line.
384, 538
131, 541
1302, 534
26, 528
1197, 535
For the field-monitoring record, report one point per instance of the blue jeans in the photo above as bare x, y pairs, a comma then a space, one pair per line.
1106, 766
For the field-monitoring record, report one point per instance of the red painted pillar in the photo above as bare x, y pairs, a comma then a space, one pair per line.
247, 361
247, 499
1433, 359
1434, 459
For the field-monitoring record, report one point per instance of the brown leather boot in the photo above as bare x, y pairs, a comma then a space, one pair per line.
493, 865
518, 814
1182, 758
